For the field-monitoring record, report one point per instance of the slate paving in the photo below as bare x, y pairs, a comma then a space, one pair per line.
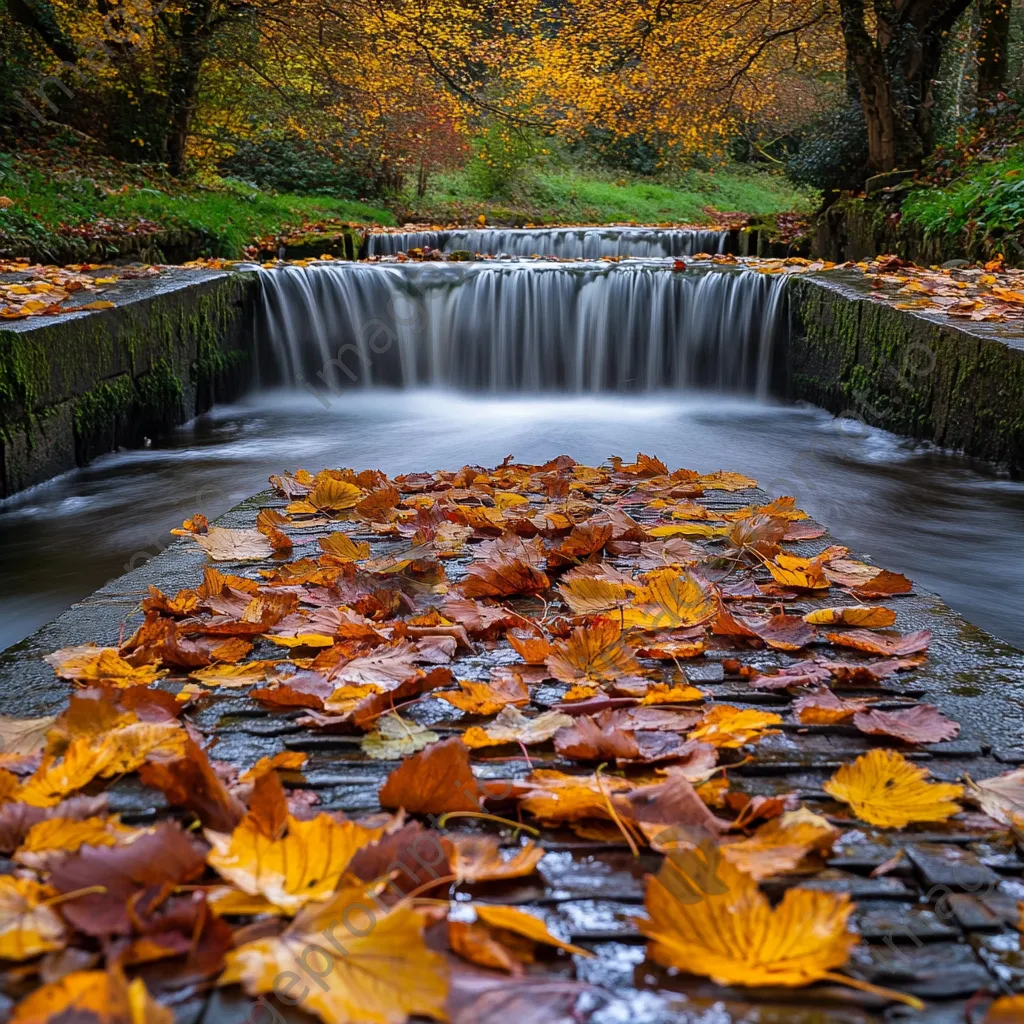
938, 925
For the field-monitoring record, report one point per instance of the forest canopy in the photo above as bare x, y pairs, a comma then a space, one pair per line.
384, 91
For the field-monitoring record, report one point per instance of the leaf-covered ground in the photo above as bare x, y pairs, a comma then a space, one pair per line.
557, 693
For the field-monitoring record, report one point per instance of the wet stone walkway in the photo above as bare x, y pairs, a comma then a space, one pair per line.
663, 603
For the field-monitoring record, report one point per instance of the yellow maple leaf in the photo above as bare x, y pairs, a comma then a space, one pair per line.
304, 865
90, 757
672, 601
883, 788
594, 653
89, 663
727, 931
372, 965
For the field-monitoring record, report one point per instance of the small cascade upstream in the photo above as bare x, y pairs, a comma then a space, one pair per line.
506, 327
563, 243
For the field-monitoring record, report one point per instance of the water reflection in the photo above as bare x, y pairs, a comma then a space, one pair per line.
950, 525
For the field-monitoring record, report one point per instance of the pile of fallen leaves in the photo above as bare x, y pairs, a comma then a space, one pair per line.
989, 293
460, 624
44, 290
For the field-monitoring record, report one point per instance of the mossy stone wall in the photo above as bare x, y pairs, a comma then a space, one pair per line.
77, 386
910, 374
861, 227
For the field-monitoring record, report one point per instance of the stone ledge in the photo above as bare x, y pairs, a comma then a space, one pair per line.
957, 384
80, 384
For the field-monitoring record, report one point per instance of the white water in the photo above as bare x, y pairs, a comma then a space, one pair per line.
563, 243
507, 327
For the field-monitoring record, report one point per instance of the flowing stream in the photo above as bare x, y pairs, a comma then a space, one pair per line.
434, 365
563, 243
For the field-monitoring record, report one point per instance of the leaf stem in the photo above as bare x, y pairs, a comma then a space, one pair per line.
875, 990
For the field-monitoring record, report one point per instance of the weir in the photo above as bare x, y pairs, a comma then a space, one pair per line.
582, 327
563, 243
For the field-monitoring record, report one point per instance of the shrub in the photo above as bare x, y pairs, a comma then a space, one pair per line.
499, 159
293, 165
833, 150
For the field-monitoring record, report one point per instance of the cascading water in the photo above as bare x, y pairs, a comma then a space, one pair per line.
563, 243
579, 327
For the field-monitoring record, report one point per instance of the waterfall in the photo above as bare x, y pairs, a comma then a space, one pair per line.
579, 327
563, 243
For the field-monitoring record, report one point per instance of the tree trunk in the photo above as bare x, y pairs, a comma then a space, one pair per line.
993, 43
896, 61
38, 15
194, 31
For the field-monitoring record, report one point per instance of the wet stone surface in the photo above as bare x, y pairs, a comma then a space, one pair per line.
938, 922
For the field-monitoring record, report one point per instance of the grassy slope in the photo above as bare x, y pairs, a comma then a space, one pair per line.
53, 205
594, 197
70, 204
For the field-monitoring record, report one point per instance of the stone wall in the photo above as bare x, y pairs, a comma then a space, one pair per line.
75, 386
859, 227
959, 385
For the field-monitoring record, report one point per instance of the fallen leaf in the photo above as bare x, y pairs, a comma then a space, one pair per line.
511, 919
924, 723
86, 758
782, 632
509, 569
782, 844
822, 707
224, 545
88, 663
593, 594
486, 698
433, 781
122, 879
798, 573
554, 797
376, 966
883, 788
190, 782
395, 738
341, 547
474, 859
726, 726
28, 925
597, 652
104, 997
24, 735
247, 674
531, 646
876, 643
1001, 797
671, 601
512, 726
868, 616
304, 865
735, 937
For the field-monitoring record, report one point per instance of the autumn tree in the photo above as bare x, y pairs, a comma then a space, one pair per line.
895, 48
